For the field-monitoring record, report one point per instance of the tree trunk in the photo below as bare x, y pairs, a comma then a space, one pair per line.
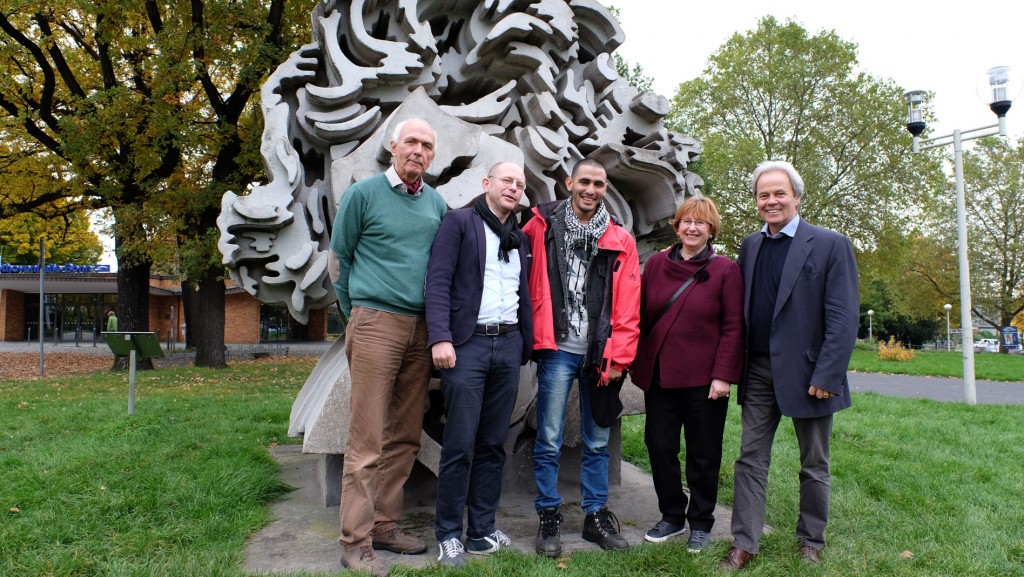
204, 309
133, 306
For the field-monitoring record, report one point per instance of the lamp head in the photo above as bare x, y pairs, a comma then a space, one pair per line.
915, 112
948, 307
1001, 85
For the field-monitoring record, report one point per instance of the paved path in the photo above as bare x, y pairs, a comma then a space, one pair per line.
937, 388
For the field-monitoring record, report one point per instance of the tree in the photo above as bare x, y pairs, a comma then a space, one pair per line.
79, 95
994, 185
903, 280
635, 75
777, 92
232, 50
144, 109
68, 239
64, 224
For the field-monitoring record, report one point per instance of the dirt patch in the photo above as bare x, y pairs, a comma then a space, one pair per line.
25, 366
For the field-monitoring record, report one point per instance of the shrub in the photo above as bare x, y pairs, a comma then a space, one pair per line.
894, 351
865, 345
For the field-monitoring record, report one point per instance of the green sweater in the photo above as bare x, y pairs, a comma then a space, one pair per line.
382, 238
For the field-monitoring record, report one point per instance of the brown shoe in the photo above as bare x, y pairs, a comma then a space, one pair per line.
361, 558
735, 559
809, 554
397, 541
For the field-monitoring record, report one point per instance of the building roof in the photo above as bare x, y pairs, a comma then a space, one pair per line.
85, 283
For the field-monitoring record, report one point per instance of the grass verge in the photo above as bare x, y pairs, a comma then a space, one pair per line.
987, 366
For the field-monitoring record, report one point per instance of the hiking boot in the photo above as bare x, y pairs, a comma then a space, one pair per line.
397, 541
489, 543
662, 530
450, 553
697, 541
549, 541
602, 528
362, 558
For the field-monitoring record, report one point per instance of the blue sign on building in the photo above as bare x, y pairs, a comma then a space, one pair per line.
1011, 340
54, 268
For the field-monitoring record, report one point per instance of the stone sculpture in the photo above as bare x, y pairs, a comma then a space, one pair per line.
532, 81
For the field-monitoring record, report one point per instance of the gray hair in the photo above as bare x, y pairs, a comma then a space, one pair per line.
778, 166
397, 132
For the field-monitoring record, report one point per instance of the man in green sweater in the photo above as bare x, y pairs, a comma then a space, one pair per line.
382, 235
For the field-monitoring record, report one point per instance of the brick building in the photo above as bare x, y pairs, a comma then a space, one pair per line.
77, 299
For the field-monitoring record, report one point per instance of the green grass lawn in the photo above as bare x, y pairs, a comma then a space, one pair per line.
987, 366
173, 491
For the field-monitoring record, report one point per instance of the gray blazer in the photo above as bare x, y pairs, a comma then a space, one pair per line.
814, 326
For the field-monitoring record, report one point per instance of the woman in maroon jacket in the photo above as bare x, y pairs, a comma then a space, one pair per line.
691, 349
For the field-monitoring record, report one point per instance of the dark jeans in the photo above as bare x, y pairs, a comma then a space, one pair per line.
479, 395
702, 421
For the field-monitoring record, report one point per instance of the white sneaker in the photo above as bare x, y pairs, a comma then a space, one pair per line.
489, 543
450, 553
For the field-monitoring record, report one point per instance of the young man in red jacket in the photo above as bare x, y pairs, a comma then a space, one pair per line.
585, 286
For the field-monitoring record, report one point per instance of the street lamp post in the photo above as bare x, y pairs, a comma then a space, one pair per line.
948, 308
1001, 84
871, 314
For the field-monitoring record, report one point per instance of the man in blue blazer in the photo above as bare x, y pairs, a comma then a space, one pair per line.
801, 305
480, 331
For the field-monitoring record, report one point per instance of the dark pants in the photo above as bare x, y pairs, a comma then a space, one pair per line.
702, 421
479, 396
760, 419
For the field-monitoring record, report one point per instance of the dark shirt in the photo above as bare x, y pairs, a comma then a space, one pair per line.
765, 290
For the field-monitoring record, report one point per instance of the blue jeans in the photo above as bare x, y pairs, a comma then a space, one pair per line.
556, 371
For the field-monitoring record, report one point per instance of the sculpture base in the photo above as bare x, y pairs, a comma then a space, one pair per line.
517, 476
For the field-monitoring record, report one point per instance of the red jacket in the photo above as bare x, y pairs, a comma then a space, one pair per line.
614, 340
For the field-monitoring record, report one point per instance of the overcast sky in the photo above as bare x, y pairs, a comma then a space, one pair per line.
916, 44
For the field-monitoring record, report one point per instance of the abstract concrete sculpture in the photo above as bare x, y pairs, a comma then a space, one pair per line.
531, 81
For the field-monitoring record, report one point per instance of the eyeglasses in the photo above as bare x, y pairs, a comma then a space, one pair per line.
696, 223
509, 181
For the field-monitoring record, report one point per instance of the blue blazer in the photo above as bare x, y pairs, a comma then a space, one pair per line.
814, 326
455, 281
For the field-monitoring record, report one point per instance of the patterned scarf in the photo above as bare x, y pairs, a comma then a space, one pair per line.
578, 234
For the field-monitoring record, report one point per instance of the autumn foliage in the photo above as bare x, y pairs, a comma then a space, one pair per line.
894, 351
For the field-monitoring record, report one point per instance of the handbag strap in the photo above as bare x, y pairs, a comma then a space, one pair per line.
688, 282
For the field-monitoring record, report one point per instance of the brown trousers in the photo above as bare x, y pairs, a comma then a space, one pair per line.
390, 367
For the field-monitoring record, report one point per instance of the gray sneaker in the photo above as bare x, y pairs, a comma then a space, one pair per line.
697, 541
489, 543
450, 553
663, 530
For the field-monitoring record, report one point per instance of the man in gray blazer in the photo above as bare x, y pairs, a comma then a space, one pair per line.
801, 306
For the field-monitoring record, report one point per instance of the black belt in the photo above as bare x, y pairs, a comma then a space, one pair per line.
493, 330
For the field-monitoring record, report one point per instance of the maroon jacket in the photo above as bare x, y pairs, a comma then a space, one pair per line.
702, 336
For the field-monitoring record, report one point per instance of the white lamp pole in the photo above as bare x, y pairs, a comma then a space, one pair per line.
948, 308
871, 314
1001, 84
